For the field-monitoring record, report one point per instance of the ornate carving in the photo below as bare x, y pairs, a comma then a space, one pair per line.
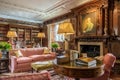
18, 22
93, 6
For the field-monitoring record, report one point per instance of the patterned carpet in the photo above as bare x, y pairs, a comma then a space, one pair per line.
54, 76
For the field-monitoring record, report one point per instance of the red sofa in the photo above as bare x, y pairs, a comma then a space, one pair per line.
30, 55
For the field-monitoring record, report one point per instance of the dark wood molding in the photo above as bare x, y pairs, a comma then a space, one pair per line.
59, 18
13, 21
89, 5
23, 26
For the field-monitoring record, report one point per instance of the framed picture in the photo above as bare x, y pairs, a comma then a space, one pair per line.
74, 54
88, 23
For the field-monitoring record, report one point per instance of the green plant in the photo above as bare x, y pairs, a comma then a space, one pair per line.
54, 45
5, 46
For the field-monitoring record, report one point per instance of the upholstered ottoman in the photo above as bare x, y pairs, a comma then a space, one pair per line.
41, 65
43, 75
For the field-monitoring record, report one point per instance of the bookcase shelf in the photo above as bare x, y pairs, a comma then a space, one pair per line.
25, 33
3, 32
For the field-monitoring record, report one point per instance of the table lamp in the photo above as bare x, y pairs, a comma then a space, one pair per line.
65, 28
11, 35
41, 35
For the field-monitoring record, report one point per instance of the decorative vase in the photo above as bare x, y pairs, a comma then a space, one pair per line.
54, 49
4, 53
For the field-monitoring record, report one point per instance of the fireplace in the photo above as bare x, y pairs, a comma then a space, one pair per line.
92, 49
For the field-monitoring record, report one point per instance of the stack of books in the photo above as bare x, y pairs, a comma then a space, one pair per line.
86, 61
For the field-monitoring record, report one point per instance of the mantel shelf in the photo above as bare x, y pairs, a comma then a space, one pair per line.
92, 37
95, 38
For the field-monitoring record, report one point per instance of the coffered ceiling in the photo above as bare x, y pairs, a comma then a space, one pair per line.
36, 10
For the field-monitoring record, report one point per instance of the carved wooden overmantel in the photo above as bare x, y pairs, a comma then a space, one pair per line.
104, 22
98, 6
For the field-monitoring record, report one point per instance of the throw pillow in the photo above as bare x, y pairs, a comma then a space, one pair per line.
18, 53
46, 51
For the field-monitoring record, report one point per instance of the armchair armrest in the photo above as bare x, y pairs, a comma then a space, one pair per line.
13, 63
53, 53
13, 58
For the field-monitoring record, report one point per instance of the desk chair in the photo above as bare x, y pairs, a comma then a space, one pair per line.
109, 60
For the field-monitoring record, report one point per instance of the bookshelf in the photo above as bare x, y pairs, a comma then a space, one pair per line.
3, 32
21, 34
26, 33
35, 39
28, 37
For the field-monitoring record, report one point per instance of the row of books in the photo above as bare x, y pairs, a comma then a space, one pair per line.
86, 61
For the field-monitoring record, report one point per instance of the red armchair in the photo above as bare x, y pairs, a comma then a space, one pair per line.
109, 60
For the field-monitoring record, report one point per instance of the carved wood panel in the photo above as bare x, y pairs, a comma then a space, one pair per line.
100, 16
116, 18
72, 37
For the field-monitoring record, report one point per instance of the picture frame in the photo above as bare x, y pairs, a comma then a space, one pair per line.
74, 54
88, 23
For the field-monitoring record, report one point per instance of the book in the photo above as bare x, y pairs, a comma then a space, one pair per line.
86, 61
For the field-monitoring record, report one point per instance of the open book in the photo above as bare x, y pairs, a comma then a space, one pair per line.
86, 61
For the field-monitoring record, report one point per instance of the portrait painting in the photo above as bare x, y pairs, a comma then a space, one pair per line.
89, 23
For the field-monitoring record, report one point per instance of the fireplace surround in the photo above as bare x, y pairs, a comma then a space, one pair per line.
92, 49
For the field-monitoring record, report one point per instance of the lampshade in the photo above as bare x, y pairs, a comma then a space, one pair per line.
11, 34
41, 35
65, 28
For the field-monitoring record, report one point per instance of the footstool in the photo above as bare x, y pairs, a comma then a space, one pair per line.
41, 65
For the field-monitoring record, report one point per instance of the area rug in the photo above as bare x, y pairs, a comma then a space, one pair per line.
54, 76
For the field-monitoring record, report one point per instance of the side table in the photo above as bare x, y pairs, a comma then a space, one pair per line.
4, 62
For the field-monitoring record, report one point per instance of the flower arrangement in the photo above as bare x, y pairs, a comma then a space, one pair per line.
5, 46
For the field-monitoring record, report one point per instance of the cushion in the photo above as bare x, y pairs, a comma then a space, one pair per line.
38, 57
24, 60
18, 53
46, 51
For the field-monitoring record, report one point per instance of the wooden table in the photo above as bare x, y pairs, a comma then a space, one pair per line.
72, 69
4, 62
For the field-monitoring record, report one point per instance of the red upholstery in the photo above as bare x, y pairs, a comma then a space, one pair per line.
30, 55
109, 60
24, 60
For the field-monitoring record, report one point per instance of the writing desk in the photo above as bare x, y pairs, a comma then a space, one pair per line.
76, 71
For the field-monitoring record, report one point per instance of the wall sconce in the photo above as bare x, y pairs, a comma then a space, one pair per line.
11, 35
41, 35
